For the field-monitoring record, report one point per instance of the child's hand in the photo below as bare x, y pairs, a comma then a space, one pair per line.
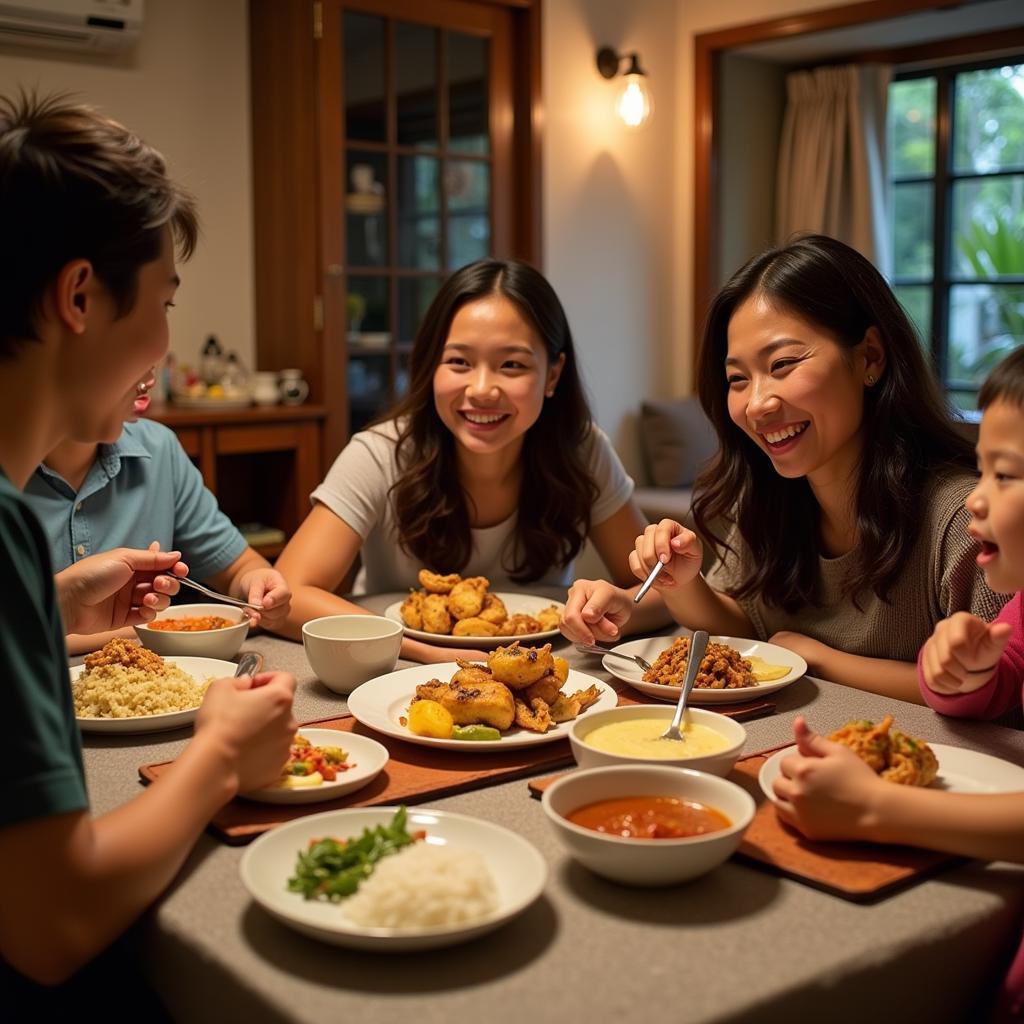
596, 610
826, 790
672, 543
963, 653
269, 588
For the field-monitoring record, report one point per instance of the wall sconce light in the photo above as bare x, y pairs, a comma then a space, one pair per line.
634, 104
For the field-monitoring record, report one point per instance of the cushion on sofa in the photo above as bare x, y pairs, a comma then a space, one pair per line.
677, 438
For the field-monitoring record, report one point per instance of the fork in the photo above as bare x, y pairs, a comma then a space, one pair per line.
595, 649
213, 593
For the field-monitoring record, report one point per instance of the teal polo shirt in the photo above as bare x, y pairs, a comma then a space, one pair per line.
140, 489
41, 772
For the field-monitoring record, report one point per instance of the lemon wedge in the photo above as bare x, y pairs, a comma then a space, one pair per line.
300, 781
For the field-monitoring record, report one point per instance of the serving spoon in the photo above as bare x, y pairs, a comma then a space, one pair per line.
698, 645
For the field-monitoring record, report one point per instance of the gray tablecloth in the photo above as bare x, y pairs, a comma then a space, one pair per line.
738, 944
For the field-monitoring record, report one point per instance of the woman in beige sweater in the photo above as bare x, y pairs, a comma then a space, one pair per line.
835, 502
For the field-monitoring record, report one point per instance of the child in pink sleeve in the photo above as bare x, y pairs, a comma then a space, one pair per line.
968, 668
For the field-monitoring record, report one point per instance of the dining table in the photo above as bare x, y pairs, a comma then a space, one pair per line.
741, 943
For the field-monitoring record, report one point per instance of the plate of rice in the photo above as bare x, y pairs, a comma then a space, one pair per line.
126, 688
460, 878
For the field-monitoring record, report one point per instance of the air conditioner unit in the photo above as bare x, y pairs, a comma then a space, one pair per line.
93, 26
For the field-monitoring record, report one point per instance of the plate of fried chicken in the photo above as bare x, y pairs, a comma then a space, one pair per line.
525, 694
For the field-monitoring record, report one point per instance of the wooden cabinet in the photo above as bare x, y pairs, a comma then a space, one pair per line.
261, 463
393, 141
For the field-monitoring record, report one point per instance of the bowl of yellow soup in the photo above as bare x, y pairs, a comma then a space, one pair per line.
632, 735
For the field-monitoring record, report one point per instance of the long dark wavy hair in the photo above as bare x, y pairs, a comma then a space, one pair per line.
908, 429
431, 512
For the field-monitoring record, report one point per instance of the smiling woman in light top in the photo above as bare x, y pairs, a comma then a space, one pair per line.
491, 465
836, 500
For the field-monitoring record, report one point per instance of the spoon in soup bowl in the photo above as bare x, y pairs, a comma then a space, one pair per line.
698, 646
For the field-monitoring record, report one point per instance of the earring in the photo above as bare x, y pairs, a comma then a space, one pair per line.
550, 393
871, 380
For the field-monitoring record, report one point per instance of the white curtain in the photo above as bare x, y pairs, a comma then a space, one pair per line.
832, 168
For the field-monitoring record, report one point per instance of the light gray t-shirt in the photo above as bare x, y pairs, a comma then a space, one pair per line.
939, 577
356, 489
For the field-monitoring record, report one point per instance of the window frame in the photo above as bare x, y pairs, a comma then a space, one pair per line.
943, 181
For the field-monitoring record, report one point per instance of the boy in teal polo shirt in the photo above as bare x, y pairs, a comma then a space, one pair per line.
90, 220
138, 488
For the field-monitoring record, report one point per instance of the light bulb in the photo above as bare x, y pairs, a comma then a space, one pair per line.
634, 104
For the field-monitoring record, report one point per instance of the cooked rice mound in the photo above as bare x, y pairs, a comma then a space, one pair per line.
425, 886
124, 680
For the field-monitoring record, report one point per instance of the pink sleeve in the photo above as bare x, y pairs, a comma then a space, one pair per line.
1002, 691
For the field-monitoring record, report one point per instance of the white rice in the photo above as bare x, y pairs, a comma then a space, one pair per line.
425, 886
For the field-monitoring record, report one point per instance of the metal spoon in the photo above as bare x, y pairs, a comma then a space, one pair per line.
698, 645
249, 664
635, 658
213, 593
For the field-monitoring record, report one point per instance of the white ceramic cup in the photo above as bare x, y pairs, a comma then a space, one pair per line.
346, 650
265, 389
293, 387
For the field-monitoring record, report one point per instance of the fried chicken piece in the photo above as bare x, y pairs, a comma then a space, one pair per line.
870, 742
434, 583
484, 703
472, 673
536, 717
911, 762
519, 625
549, 618
466, 600
547, 689
591, 695
482, 583
517, 666
130, 654
474, 626
494, 609
564, 709
435, 614
412, 609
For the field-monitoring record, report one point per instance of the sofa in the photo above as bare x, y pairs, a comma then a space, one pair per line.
676, 439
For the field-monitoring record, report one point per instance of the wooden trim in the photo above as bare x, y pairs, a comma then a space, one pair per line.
527, 146
284, 206
820, 20
708, 47
944, 49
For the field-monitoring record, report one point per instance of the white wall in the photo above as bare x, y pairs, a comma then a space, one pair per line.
609, 204
185, 90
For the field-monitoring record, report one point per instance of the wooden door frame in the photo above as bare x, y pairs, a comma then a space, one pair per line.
709, 48
289, 272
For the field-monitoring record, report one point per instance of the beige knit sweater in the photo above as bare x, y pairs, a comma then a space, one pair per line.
940, 577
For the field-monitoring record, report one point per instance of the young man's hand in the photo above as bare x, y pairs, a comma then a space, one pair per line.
118, 588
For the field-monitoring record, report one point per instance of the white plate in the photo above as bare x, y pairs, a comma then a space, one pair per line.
960, 771
199, 669
380, 702
653, 646
517, 604
366, 756
519, 871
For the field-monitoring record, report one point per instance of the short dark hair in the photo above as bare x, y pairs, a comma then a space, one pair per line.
1005, 383
77, 185
909, 433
